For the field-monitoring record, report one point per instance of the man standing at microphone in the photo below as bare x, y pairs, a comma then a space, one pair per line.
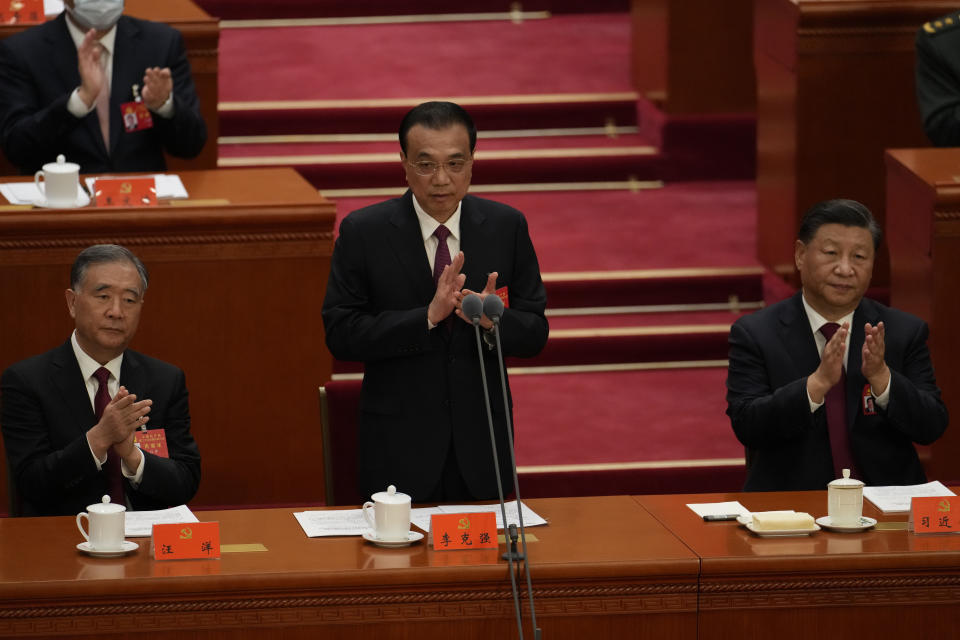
399, 272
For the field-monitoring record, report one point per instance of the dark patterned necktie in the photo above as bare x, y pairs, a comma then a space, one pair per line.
836, 405
114, 476
442, 257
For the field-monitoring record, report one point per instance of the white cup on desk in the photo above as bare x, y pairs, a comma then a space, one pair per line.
845, 501
106, 521
391, 515
61, 183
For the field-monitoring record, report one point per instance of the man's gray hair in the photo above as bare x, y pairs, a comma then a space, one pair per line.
103, 253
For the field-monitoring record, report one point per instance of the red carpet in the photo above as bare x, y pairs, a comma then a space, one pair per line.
562, 54
688, 224
605, 422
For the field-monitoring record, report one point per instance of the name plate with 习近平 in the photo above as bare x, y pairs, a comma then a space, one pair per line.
935, 514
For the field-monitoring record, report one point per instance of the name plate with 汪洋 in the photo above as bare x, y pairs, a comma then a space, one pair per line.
451, 531
125, 192
186, 540
21, 12
934, 514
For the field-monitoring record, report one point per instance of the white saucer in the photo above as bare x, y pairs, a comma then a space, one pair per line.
779, 533
82, 200
865, 523
413, 536
126, 547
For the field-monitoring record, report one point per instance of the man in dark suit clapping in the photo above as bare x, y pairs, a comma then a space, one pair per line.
829, 379
68, 84
70, 416
400, 270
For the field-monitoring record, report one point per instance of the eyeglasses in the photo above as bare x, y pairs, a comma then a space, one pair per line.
429, 168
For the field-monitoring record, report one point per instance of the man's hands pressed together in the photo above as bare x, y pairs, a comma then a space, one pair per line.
121, 419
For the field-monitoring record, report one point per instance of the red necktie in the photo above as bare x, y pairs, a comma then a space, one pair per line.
836, 406
100, 402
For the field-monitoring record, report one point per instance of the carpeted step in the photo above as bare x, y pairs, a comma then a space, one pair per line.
489, 112
257, 10
733, 287
507, 161
643, 431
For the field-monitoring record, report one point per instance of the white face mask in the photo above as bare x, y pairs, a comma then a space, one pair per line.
96, 14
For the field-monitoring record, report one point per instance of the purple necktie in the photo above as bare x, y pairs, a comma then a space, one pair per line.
836, 406
100, 402
442, 257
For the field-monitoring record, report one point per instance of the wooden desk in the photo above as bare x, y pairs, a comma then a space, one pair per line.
201, 36
602, 568
876, 584
835, 87
923, 233
238, 275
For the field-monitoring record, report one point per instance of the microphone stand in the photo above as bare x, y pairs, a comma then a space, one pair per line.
493, 309
472, 308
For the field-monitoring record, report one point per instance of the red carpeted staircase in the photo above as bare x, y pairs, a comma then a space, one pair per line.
645, 230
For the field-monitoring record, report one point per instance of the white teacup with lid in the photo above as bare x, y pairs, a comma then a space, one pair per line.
391, 515
61, 183
845, 501
106, 522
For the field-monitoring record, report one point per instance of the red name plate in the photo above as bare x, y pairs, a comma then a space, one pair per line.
935, 514
464, 531
181, 541
21, 11
152, 441
125, 192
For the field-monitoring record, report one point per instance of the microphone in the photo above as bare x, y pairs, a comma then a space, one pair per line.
493, 309
472, 307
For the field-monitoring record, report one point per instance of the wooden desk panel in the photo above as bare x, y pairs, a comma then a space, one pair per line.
238, 275
634, 580
881, 584
694, 57
835, 88
923, 224
201, 36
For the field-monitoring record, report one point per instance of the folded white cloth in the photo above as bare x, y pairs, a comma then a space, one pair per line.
776, 520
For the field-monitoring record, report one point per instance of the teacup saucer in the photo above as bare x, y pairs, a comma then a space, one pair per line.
865, 523
413, 536
82, 200
125, 547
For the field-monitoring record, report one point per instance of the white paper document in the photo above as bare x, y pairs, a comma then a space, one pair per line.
421, 517
339, 522
350, 522
719, 509
20, 192
896, 499
168, 185
139, 524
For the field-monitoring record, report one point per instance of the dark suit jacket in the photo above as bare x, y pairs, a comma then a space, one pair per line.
788, 448
45, 412
421, 388
39, 71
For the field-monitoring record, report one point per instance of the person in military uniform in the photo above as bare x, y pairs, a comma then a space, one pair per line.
938, 79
